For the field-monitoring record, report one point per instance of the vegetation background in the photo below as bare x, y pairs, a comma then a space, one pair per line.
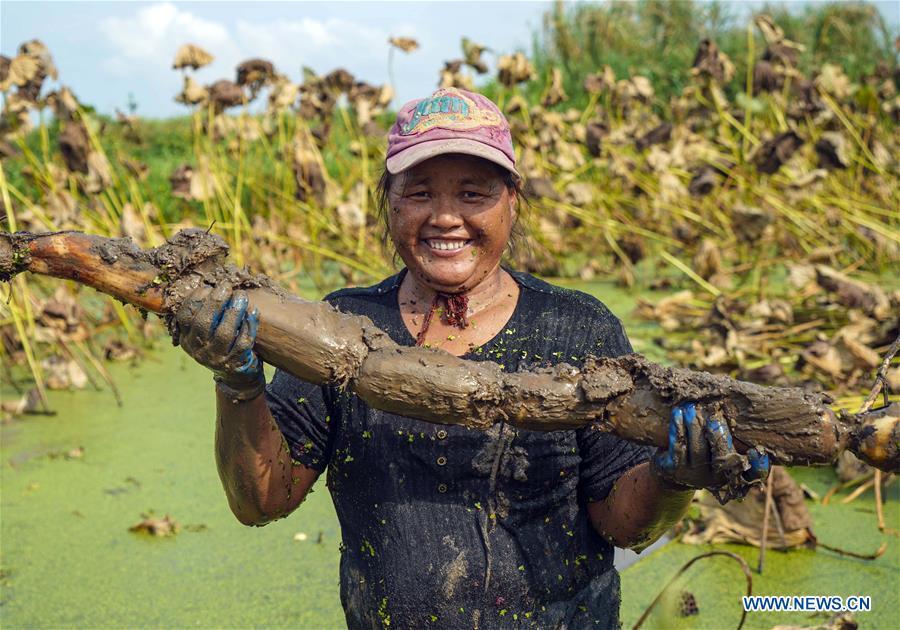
728, 184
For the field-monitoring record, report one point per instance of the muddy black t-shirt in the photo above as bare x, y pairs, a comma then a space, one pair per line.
450, 527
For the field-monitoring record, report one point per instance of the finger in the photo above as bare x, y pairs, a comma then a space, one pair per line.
213, 302
243, 341
721, 447
191, 305
697, 446
220, 309
253, 321
759, 464
671, 457
229, 328
250, 363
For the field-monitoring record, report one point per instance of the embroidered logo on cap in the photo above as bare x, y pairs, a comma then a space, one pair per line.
449, 109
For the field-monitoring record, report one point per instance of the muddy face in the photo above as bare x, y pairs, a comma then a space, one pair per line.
450, 220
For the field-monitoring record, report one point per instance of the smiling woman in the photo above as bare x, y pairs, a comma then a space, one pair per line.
450, 219
442, 525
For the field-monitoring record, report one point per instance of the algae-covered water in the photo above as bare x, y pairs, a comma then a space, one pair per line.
68, 558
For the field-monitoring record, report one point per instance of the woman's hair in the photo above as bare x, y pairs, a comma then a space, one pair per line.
512, 183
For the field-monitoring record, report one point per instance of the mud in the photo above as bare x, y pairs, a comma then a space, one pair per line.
628, 396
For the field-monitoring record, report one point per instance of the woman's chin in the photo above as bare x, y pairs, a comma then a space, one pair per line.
448, 278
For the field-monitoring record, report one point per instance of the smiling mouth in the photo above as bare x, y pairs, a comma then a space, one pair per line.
446, 244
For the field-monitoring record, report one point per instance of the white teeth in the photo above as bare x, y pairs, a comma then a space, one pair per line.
448, 245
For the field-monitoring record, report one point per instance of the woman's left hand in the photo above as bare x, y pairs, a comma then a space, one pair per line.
701, 455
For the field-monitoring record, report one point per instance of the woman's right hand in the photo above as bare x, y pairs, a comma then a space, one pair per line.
218, 329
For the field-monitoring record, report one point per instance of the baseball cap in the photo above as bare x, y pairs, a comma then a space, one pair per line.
449, 121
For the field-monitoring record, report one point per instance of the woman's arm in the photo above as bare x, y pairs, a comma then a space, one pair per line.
217, 328
261, 481
640, 508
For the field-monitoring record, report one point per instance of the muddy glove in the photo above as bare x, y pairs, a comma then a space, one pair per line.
701, 455
217, 328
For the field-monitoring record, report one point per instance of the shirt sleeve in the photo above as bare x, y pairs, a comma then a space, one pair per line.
303, 413
605, 457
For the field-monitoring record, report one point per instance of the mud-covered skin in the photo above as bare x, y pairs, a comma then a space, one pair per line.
629, 396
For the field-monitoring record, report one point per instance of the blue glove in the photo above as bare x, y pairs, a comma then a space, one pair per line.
218, 329
701, 454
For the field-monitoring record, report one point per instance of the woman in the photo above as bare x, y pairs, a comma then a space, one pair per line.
442, 525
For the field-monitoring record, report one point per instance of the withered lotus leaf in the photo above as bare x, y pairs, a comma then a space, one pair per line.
770, 155
60, 373
658, 135
833, 81
541, 188
63, 103
406, 44
740, 521
555, 94
180, 181
784, 54
594, 134
254, 73
749, 222
161, 527
708, 259
339, 80
309, 170
853, 293
191, 56
192, 93
136, 168
283, 93
580, 193
514, 69
38, 51
74, 144
765, 78
452, 76
472, 52
23, 70
4, 72
712, 63
704, 180
833, 150
99, 175
224, 94
596, 83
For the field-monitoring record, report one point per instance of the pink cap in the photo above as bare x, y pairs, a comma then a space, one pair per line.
450, 121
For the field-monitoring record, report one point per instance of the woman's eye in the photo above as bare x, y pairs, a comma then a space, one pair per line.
419, 195
471, 195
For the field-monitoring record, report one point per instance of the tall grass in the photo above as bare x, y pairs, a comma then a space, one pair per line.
658, 39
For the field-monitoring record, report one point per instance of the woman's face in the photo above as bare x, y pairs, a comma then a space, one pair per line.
450, 218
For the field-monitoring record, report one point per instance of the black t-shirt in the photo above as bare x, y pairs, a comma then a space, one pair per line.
450, 527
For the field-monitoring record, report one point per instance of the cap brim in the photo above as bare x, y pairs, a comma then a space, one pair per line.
426, 150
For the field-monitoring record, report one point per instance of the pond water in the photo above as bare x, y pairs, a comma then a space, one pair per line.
68, 558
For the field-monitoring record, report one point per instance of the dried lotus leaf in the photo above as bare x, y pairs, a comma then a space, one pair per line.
191, 56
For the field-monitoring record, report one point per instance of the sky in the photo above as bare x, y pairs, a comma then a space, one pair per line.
106, 51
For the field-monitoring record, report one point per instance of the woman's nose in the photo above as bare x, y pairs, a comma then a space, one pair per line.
443, 213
